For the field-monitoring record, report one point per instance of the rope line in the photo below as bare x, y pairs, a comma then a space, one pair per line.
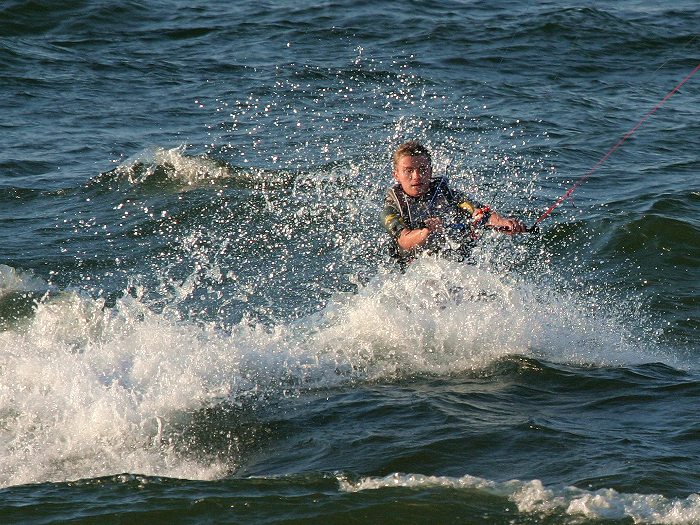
619, 143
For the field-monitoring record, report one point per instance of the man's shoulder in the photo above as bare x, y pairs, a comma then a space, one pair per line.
394, 192
396, 188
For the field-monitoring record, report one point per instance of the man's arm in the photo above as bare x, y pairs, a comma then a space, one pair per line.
483, 215
409, 239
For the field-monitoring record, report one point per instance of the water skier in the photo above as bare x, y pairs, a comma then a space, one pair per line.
425, 215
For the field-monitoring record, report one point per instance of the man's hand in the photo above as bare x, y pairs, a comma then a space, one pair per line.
514, 226
508, 225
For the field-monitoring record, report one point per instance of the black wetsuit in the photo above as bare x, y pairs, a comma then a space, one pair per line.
456, 209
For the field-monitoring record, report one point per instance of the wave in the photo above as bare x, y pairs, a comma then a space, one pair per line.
532, 497
175, 168
123, 382
20, 292
13, 280
37, 17
161, 166
331, 498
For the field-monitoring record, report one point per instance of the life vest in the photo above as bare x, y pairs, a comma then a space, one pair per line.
454, 208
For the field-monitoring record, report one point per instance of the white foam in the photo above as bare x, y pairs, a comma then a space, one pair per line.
89, 391
82, 390
188, 171
533, 497
446, 317
13, 280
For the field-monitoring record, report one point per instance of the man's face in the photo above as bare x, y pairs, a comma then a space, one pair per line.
413, 173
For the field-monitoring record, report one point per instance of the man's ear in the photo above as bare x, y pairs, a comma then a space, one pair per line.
396, 175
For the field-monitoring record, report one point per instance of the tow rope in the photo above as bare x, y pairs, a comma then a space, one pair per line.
605, 157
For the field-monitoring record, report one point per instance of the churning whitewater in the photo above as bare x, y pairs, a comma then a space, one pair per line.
199, 320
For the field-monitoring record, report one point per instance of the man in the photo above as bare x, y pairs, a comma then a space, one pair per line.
425, 215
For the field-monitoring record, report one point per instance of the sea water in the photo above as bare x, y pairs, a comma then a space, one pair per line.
199, 322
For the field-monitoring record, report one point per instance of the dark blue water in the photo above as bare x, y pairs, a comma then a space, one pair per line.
198, 320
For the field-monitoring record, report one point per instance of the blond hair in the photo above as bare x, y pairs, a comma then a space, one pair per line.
411, 148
